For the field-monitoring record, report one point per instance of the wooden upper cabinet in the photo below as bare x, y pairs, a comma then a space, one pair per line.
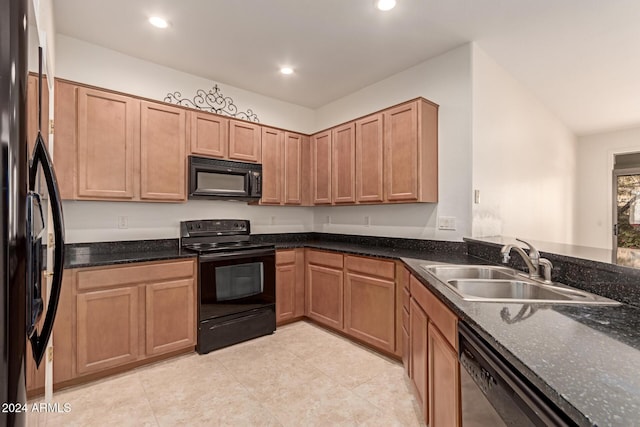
401, 153
343, 183
369, 159
209, 134
411, 152
32, 112
272, 142
106, 137
244, 141
65, 152
294, 171
321, 168
162, 152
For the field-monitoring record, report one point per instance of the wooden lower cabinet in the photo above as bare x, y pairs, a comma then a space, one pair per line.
170, 316
370, 305
419, 355
406, 352
118, 316
325, 290
107, 322
289, 285
433, 363
444, 381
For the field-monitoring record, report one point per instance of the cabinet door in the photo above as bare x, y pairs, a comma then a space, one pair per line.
65, 150
419, 354
324, 291
106, 132
170, 316
444, 381
107, 328
293, 173
244, 141
32, 112
343, 183
285, 292
321, 168
369, 159
370, 310
406, 352
209, 135
162, 152
401, 153
272, 140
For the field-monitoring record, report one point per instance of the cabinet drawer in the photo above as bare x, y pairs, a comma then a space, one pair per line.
329, 259
120, 276
371, 266
443, 318
285, 257
405, 320
406, 296
404, 278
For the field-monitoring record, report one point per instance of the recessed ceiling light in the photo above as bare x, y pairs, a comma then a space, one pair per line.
158, 22
385, 5
286, 70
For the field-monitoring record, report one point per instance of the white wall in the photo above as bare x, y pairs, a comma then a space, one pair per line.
97, 221
523, 160
594, 206
445, 80
87, 63
42, 34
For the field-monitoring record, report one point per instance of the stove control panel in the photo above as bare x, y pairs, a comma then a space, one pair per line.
215, 227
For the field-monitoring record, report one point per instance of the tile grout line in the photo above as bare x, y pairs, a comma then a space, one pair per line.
146, 397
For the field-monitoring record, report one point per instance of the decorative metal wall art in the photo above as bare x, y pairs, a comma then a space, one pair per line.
213, 101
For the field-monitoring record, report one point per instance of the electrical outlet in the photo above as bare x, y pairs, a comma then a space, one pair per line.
367, 221
447, 223
476, 196
123, 222
273, 220
328, 221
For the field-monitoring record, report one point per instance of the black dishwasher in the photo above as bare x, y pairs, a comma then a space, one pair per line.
494, 393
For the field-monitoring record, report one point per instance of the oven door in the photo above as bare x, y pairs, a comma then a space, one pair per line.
236, 282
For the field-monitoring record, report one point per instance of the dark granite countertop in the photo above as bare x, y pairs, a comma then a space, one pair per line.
109, 253
381, 247
586, 359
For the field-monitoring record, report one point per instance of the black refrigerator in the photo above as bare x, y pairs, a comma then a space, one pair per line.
28, 188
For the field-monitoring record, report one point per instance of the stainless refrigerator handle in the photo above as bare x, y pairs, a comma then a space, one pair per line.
41, 156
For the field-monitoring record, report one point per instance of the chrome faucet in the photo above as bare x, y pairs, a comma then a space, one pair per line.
532, 259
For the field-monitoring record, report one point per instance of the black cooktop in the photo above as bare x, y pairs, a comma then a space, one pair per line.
208, 247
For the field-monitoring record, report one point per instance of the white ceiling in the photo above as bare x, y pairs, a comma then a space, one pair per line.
580, 57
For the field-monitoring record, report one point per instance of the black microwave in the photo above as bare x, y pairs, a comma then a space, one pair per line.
224, 179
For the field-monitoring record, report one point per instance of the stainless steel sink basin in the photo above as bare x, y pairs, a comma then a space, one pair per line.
449, 272
501, 284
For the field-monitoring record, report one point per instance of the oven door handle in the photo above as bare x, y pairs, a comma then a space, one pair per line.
237, 255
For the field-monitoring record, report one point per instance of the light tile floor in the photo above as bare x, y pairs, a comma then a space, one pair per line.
302, 375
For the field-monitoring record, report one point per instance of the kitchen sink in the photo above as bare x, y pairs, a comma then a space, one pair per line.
449, 272
502, 284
